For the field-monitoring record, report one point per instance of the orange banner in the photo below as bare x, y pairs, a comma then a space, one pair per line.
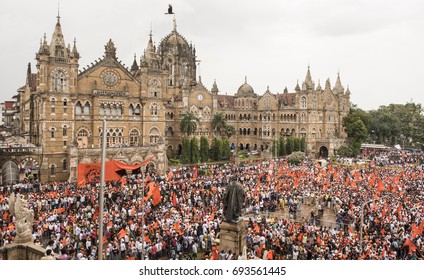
90, 172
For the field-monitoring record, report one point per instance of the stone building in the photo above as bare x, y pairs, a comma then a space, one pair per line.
63, 107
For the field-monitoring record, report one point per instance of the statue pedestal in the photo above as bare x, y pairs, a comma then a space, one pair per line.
233, 236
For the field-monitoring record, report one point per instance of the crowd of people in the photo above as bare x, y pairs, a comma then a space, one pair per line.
379, 213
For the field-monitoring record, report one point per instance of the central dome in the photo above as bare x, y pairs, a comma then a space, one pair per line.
245, 90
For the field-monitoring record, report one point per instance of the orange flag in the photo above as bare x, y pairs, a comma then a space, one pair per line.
147, 179
410, 244
195, 174
151, 187
174, 199
212, 217
104, 239
380, 186
157, 198
170, 175
122, 233
416, 230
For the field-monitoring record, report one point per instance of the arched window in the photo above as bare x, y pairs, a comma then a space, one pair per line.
82, 138
303, 102
52, 170
154, 110
64, 165
302, 132
59, 81
53, 133
78, 108
154, 88
65, 106
65, 131
87, 108
131, 110
134, 137
154, 135
53, 104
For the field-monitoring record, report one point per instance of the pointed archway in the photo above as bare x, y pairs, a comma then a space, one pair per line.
323, 152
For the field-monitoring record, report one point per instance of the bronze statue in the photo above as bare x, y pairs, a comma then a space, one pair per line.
233, 201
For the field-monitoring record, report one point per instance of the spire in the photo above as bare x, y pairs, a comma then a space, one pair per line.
134, 66
44, 47
57, 45
309, 84
75, 52
347, 90
338, 88
319, 85
286, 90
214, 89
327, 84
175, 24
245, 79
297, 88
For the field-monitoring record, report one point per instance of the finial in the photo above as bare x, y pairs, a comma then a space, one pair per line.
245, 79
45, 36
175, 24
151, 32
135, 56
58, 11
267, 88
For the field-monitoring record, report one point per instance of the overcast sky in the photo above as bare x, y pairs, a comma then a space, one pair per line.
378, 46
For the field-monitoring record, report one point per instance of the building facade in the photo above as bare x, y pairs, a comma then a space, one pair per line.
63, 107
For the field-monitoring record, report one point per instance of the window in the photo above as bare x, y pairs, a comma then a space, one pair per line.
65, 143
137, 110
59, 81
134, 137
86, 108
52, 133
78, 108
65, 131
154, 135
303, 102
53, 103
64, 165
131, 110
154, 110
52, 170
65, 104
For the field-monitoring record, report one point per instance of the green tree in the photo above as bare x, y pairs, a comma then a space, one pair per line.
229, 130
195, 154
303, 144
296, 147
226, 149
186, 150
219, 122
275, 148
188, 123
289, 145
216, 149
282, 147
204, 149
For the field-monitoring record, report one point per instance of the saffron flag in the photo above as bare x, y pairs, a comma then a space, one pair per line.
157, 198
90, 172
174, 199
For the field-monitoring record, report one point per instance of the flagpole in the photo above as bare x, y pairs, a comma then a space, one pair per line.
101, 192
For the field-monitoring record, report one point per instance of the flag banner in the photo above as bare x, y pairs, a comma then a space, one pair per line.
90, 172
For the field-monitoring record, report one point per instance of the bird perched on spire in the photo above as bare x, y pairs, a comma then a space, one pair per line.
170, 12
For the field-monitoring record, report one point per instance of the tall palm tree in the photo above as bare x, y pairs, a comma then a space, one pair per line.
219, 122
188, 123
